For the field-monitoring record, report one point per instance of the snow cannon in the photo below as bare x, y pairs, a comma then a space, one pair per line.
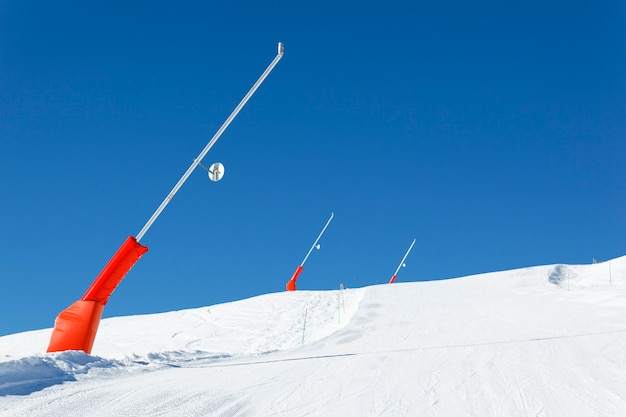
75, 327
402, 264
291, 284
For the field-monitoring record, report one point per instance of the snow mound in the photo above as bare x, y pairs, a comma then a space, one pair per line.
27, 375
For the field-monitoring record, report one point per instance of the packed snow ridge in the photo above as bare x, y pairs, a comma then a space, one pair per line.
541, 341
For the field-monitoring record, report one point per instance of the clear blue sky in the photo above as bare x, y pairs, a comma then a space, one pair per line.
493, 133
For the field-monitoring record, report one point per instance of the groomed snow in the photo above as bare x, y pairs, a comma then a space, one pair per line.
541, 341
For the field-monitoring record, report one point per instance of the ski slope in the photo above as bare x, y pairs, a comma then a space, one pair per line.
540, 341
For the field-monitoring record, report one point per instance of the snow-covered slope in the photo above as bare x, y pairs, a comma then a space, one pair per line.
542, 341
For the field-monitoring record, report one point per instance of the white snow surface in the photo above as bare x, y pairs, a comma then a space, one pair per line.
540, 341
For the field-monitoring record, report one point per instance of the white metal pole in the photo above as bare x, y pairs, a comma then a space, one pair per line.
403, 259
217, 135
318, 238
306, 310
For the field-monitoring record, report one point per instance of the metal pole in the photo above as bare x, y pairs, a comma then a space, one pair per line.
306, 310
403, 259
318, 238
217, 135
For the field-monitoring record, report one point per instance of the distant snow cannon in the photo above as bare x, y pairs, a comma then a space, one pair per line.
75, 327
291, 284
402, 264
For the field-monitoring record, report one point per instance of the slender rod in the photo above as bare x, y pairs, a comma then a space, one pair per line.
206, 149
403, 259
318, 238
